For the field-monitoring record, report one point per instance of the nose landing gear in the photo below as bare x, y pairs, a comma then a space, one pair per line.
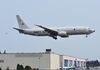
86, 36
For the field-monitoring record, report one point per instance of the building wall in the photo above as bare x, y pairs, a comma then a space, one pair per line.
32, 60
37, 60
67, 61
65, 58
61, 62
54, 61
45, 61
9, 60
81, 62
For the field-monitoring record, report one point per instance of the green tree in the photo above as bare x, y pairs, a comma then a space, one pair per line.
7, 68
20, 67
34, 69
87, 63
94, 63
28, 67
0, 68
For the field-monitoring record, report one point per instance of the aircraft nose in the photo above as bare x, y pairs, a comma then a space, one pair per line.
93, 30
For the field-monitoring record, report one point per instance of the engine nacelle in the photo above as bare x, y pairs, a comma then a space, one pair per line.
63, 34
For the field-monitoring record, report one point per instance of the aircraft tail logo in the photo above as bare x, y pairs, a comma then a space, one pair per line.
21, 23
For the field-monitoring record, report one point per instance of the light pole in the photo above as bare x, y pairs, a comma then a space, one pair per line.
39, 63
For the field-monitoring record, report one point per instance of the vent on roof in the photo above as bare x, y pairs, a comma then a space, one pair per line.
48, 50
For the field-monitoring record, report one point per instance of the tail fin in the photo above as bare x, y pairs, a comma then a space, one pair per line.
22, 24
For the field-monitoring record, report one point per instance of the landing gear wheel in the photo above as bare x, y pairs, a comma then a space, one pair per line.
55, 37
86, 36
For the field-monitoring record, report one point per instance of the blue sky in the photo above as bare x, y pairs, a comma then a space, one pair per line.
51, 13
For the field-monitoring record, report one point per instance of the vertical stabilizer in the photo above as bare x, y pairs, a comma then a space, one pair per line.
21, 23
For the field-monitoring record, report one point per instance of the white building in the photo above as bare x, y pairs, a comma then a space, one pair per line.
46, 60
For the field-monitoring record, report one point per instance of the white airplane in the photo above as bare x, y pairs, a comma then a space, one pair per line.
63, 32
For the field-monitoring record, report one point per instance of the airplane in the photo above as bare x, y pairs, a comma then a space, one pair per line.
53, 32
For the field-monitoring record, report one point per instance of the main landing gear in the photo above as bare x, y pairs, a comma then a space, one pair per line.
54, 37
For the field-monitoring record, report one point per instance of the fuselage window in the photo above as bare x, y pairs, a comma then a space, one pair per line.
39, 32
36, 31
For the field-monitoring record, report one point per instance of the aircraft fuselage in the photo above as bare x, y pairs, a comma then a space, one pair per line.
68, 30
52, 32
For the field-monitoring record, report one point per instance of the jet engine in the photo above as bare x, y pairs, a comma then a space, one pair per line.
63, 34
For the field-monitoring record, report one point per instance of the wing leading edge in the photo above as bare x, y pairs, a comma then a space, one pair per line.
53, 33
20, 30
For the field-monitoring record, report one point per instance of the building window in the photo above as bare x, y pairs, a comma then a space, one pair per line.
1, 61
65, 63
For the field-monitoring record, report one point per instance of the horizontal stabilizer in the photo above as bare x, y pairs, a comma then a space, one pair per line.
20, 30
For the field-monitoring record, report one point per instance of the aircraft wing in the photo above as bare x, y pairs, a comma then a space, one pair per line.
52, 32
